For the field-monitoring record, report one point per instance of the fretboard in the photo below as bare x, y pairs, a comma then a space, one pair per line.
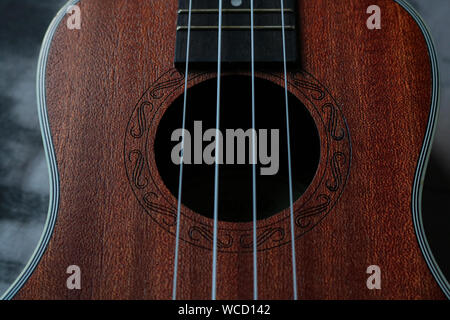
236, 35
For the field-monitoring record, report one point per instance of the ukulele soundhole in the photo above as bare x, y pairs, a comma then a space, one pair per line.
235, 180
320, 146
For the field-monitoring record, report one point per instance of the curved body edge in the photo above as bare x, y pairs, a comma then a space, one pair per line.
425, 156
49, 155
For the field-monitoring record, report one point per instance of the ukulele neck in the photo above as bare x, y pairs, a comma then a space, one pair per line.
236, 33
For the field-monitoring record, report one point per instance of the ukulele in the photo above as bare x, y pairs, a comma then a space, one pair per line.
235, 149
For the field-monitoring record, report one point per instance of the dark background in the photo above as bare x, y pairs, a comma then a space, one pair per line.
23, 169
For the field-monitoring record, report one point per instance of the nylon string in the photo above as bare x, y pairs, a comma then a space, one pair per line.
255, 236
291, 198
216, 171
180, 181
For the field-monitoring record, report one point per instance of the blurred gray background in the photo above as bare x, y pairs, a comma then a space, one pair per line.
23, 170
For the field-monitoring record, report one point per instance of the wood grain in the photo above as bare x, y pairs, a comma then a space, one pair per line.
380, 79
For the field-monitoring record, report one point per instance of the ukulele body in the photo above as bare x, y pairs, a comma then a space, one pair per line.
103, 91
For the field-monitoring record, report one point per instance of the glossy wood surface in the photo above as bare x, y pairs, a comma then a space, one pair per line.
381, 80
